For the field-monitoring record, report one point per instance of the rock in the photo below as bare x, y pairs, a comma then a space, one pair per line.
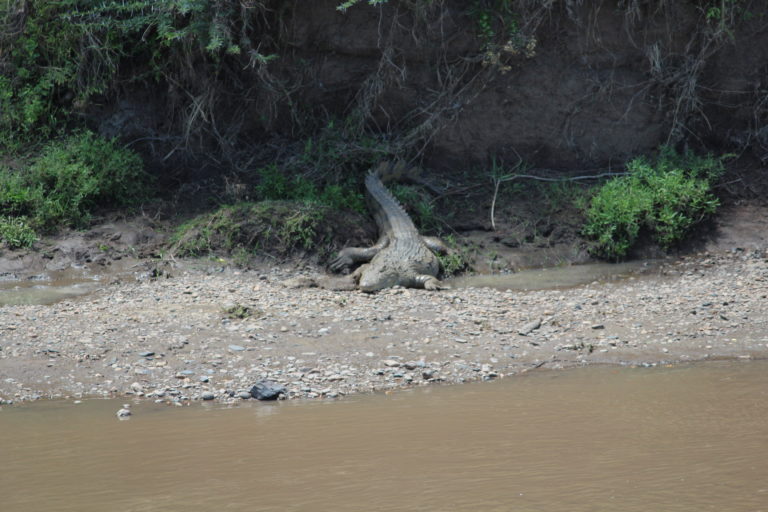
236, 348
529, 327
267, 390
207, 395
146, 354
245, 395
391, 363
124, 412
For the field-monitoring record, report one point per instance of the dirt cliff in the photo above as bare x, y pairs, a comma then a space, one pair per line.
562, 85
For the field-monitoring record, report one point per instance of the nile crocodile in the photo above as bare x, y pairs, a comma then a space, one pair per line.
401, 256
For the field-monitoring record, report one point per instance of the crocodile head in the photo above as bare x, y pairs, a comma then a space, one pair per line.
375, 278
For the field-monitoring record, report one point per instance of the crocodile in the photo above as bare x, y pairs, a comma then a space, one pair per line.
401, 256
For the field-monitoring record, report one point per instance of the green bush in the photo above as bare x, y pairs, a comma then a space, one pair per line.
279, 227
276, 185
418, 204
457, 258
18, 197
15, 232
70, 179
666, 197
62, 54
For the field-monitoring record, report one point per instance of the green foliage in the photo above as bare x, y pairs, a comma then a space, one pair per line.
557, 196
324, 168
418, 204
57, 56
456, 260
666, 198
274, 227
15, 232
498, 28
70, 179
719, 11
18, 196
237, 312
276, 185
487, 14
343, 6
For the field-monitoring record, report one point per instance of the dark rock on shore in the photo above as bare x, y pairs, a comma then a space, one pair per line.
267, 390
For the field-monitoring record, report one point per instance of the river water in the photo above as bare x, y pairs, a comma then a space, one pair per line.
688, 438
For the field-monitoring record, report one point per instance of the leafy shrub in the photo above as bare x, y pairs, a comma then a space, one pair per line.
17, 195
418, 205
665, 197
456, 260
64, 53
15, 232
275, 185
273, 226
70, 179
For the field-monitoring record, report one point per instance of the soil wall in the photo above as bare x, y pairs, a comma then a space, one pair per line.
563, 85
605, 80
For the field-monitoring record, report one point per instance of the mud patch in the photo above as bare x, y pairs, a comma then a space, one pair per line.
85, 252
556, 277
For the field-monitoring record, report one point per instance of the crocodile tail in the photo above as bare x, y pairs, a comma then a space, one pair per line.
389, 172
395, 214
401, 172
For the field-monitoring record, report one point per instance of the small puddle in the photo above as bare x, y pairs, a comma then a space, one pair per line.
555, 277
48, 288
686, 439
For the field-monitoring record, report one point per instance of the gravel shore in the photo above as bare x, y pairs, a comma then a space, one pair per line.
182, 338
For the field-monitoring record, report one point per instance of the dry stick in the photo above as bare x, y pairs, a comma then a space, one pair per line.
496, 185
511, 177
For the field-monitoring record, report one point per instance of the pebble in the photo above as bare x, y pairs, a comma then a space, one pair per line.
207, 395
267, 390
528, 328
369, 341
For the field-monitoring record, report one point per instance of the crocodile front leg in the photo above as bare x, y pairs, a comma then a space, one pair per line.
431, 282
436, 245
349, 256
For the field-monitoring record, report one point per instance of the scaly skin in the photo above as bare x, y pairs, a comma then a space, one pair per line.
401, 256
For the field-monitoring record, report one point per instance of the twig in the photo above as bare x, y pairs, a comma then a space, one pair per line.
497, 181
512, 177
496, 185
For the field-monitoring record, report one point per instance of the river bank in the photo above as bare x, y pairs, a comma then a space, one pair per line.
199, 333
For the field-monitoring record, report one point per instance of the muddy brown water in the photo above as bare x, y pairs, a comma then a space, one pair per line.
688, 438
566, 276
49, 288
